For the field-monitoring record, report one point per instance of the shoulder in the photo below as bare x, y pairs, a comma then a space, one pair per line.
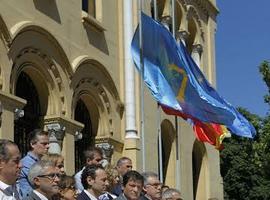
5, 197
32, 196
78, 174
83, 196
121, 197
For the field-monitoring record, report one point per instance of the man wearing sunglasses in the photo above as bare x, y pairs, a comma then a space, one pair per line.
152, 186
39, 145
44, 177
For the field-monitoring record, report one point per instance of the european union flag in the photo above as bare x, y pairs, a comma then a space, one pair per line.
177, 82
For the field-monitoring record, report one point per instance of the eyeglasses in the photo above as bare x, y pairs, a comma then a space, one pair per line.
51, 176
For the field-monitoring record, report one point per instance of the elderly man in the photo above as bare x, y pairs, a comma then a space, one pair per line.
171, 194
44, 177
152, 186
10, 167
39, 145
95, 183
132, 186
93, 156
123, 165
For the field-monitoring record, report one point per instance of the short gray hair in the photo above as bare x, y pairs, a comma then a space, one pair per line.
146, 175
122, 160
167, 194
39, 168
4, 151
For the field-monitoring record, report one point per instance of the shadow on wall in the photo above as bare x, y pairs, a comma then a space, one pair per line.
96, 38
48, 8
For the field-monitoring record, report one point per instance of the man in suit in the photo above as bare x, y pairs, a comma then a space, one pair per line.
44, 177
39, 145
132, 186
172, 194
123, 165
94, 181
10, 167
152, 186
92, 156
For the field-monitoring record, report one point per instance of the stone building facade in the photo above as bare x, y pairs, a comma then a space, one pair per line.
65, 66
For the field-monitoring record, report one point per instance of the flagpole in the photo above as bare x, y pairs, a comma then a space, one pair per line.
176, 119
159, 120
142, 85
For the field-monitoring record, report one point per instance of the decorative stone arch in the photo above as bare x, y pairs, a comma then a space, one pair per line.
33, 45
4, 34
199, 169
180, 14
168, 150
195, 28
93, 84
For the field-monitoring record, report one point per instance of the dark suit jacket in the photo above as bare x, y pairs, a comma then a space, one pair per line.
117, 190
83, 196
121, 197
32, 196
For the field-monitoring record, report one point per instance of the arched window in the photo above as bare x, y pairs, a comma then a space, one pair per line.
82, 115
26, 89
198, 167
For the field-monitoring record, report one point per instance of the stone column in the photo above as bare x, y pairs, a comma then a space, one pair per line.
63, 133
197, 50
11, 108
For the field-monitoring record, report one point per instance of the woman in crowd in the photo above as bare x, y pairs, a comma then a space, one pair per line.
67, 188
57, 159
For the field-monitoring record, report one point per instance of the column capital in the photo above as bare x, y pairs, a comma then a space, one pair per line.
11, 102
182, 35
197, 48
57, 127
166, 21
58, 121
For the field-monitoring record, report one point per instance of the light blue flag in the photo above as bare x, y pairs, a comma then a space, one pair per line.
177, 82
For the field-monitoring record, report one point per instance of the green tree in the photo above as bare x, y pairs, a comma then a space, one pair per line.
245, 163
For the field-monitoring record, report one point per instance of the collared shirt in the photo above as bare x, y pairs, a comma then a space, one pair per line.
24, 184
92, 197
41, 196
3, 196
78, 181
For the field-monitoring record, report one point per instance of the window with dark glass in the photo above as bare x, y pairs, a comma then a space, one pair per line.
89, 6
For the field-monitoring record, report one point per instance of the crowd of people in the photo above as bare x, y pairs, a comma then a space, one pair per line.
41, 176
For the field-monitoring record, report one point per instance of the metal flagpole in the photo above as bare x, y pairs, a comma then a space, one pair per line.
176, 119
159, 120
142, 84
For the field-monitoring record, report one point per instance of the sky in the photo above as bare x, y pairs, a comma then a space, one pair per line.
242, 43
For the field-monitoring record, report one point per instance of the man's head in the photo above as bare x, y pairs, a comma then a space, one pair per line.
132, 185
124, 165
39, 142
93, 156
94, 179
44, 177
171, 194
152, 185
10, 165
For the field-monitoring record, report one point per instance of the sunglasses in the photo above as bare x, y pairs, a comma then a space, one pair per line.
51, 176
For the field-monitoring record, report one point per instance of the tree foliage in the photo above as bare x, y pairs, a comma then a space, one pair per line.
245, 163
